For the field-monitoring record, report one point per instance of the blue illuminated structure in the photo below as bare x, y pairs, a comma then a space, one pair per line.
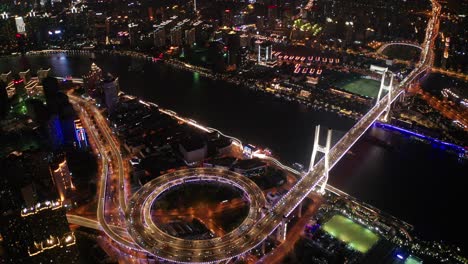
458, 149
55, 132
81, 137
80, 134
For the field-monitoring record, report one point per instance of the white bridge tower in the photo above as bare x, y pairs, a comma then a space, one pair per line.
322, 149
386, 74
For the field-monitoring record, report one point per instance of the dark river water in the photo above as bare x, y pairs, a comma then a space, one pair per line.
414, 181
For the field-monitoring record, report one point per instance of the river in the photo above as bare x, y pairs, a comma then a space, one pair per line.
414, 181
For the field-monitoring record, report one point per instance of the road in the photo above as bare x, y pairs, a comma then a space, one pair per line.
102, 146
459, 75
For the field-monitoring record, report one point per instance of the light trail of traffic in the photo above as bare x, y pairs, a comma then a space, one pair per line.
106, 228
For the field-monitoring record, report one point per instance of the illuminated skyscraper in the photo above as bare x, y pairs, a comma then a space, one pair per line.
61, 176
91, 80
51, 88
176, 36
54, 131
190, 37
159, 37
110, 90
20, 89
228, 18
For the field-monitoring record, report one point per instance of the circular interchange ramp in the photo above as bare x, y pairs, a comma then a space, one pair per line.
151, 238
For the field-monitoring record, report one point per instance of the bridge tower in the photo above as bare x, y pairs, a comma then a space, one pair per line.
282, 230
325, 150
384, 86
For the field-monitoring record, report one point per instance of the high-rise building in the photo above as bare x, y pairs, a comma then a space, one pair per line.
67, 117
200, 32
110, 90
190, 37
51, 88
264, 54
228, 18
20, 87
91, 80
176, 36
6, 77
260, 23
233, 43
159, 37
4, 104
61, 176
54, 131
245, 40
42, 74
239, 19
25, 75
272, 15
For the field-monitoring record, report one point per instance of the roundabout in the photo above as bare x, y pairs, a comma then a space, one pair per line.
146, 233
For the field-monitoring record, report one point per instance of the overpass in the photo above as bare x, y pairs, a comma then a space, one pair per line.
275, 218
398, 43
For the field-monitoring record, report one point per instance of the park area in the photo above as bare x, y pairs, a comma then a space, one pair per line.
355, 235
361, 86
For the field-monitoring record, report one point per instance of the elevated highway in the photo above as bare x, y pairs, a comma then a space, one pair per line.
398, 43
156, 241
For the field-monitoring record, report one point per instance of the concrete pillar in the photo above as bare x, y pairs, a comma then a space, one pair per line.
402, 96
278, 232
282, 230
264, 210
299, 210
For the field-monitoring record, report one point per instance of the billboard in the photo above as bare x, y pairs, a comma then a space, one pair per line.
20, 25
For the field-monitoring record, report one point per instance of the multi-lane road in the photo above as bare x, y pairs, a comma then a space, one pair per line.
104, 144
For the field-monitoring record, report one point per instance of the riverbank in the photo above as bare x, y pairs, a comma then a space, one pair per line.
461, 151
283, 94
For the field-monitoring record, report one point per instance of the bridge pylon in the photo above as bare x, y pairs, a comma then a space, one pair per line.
386, 87
322, 149
282, 230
